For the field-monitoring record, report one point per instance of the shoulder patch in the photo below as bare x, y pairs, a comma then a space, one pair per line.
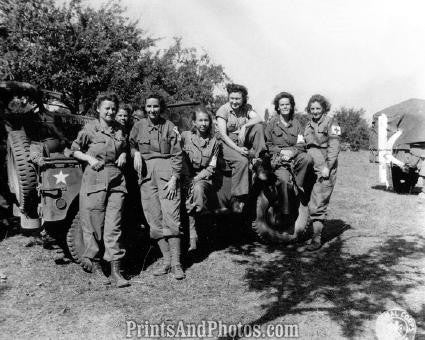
335, 130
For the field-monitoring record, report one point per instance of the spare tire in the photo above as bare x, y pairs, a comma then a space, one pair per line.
75, 241
268, 228
22, 176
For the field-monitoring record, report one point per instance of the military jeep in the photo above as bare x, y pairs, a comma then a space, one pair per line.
45, 183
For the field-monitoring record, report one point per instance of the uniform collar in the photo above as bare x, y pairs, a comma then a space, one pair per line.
280, 123
199, 141
109, 130
152, 126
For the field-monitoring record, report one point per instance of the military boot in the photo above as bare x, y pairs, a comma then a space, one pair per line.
116, 278
165, 268
316, 242
176, 267
97, 271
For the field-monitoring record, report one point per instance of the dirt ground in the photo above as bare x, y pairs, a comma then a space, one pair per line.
374, 260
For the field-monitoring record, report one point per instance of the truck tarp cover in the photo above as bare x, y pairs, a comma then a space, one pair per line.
408, 116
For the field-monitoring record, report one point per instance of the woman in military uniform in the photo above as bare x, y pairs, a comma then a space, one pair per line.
157, 155
285, 142
200, 150
102, 144
242, 135
322, 135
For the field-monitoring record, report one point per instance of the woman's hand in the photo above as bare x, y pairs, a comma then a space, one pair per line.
243, 151
241, 135
325, 173
286, 154
95, 163
122, 159
171, 188
138, 162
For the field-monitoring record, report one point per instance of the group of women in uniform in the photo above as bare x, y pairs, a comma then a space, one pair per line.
171, 165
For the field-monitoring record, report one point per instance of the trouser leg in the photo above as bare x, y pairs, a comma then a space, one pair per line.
320, 196
303, 163
92, 210
170, 210
283, 177
112, 232
152, 208
254, 139
240, 170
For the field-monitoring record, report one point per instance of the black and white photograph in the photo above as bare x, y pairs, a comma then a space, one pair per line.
212, 169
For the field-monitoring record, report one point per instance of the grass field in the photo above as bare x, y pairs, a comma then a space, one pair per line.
374, 260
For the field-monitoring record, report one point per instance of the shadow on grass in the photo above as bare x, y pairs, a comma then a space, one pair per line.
357, 285
415, 190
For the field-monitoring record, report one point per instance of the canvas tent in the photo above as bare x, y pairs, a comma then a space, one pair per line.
408, 116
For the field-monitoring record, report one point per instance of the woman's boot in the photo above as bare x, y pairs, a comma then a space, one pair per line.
316, 242
116, 278
166, 258
176, 267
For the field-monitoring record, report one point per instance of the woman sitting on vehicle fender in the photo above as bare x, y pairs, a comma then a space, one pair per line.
242, 135
200, 150
286, 144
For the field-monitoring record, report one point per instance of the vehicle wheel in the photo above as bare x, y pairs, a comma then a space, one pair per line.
266, 219
403, 182
74, 239
21, 173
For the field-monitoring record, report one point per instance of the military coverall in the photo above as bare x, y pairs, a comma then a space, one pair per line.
280, 137
160, 149
254, 139
322, 139
102, 192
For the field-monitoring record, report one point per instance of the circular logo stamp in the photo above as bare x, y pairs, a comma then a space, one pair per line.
395, 324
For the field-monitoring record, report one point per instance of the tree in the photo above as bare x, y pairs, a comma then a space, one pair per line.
354, 128
81, 51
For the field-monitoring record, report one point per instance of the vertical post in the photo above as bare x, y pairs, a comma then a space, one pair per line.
382, 148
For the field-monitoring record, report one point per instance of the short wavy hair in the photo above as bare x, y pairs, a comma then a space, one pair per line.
161, 100
238, 88
126, 107
109, 96
324, 103
281, 95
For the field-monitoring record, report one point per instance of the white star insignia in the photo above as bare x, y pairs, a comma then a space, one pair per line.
60, 177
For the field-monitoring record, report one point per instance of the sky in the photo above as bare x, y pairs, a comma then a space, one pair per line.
361, 54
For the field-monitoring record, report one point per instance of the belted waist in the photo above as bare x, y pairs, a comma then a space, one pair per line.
314, 146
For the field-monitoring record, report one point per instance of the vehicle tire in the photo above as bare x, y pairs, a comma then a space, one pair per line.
22, 176
74, 240
403, 182
265, 219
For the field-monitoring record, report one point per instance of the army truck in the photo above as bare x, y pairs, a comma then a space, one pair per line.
397, 142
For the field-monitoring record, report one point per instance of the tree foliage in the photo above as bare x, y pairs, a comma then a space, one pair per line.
354, 128
81, 51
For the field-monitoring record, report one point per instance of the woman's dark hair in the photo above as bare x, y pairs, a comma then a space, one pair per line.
202, 109
110, 96
161, 100
238, 88
281, 95
324, 103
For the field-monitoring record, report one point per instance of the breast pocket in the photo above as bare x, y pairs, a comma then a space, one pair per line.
322, 134
165, 145
144, 144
